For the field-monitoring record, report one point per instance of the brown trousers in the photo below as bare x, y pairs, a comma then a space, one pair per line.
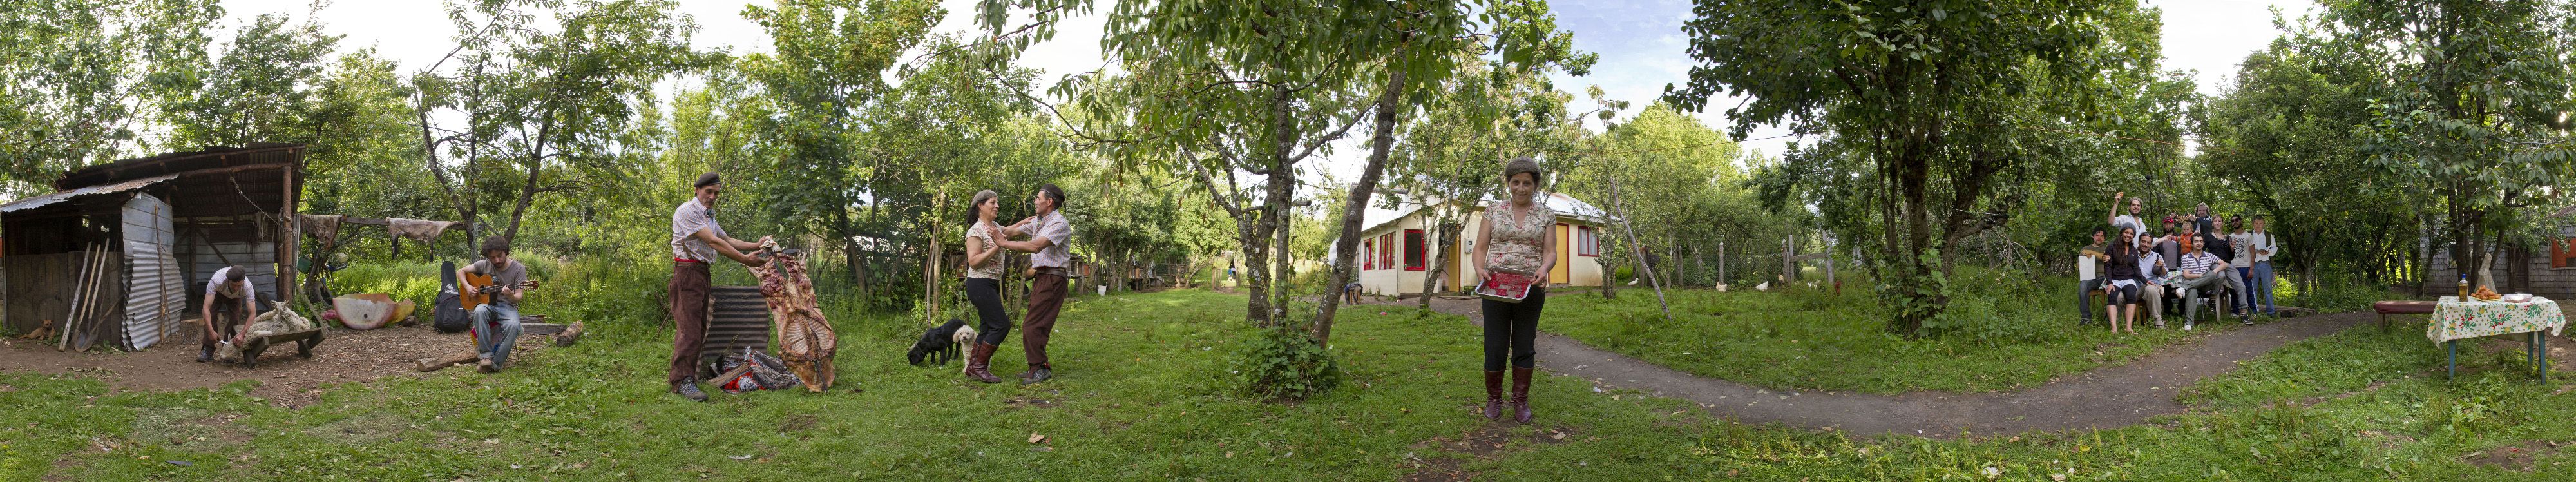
228, 320
1046, 297
689, 297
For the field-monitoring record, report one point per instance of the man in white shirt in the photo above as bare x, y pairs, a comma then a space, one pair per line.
695, 240
2130, 220
2254, 250
231, 301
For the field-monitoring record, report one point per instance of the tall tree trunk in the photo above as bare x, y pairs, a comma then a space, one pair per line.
1448, 232
1347, 245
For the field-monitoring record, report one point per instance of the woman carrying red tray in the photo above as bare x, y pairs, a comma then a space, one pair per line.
1514, 236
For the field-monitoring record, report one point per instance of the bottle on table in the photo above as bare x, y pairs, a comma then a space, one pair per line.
2464, 287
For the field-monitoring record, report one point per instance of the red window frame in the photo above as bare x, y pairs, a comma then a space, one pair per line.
1368, 261
1414, 256
1386, 251
1587, 241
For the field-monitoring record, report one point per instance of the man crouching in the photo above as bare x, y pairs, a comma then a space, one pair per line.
231, 301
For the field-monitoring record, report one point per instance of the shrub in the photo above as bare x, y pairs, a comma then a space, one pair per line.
1282, 363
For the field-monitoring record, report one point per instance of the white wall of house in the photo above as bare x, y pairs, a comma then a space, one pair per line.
1389, 275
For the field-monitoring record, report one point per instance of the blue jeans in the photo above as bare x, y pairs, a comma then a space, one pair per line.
496, 329
2258, 285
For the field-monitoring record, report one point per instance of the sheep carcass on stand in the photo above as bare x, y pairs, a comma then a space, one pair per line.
805, 338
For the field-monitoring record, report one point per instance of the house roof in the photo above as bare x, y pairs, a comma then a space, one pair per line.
1564, 205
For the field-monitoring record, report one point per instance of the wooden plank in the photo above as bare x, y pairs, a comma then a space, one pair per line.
1809, 257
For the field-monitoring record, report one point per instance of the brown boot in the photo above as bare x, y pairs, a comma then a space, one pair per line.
1494, 395
1520, 394
977, 363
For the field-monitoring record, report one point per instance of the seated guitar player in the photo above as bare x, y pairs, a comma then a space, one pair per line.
500, 283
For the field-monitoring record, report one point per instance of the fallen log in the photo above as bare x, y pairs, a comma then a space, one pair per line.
570, 335
436, 363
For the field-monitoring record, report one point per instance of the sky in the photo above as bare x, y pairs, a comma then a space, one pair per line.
1640, 43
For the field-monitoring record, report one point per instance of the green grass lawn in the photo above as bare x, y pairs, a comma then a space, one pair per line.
1138, 399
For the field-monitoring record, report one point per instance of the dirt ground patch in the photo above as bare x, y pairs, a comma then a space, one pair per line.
1439, 459
286, 380
2522, 456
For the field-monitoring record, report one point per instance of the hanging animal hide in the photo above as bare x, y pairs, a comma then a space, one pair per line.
418, 230
324, 229
805, 338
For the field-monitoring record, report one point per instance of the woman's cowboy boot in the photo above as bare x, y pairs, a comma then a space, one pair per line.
1520, 394
1494, 395
977, 366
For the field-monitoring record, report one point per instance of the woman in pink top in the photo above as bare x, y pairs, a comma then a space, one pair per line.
1514, 235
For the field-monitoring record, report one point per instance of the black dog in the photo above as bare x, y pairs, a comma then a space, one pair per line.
939, 345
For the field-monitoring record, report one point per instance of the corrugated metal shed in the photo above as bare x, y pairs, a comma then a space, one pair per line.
171, 219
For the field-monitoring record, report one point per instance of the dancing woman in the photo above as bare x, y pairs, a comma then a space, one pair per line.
984, 262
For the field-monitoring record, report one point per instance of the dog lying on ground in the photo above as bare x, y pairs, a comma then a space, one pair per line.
939, 345
43, 332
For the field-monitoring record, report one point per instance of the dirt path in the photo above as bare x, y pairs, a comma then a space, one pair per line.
287, 381
2110, 397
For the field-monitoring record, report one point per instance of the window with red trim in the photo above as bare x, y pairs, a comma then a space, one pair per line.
1587, 241
1413, 250
1386, 251
1369, 261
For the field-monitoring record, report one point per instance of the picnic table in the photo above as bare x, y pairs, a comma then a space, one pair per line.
2454, 319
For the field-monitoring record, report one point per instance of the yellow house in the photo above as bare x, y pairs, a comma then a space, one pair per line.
1397, 248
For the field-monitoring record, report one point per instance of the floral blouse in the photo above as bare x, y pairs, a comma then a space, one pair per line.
1518, 236
992, 266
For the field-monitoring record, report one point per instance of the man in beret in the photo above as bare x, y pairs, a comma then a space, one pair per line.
695, 240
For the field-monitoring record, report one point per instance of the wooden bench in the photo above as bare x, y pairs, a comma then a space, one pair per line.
2401, 307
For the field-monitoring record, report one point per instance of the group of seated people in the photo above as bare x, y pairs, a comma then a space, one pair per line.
2189, 257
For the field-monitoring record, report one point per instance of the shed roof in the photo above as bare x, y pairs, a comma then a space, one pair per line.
180, 162
42, 201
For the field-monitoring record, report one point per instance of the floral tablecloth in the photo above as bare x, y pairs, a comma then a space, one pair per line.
2454, 319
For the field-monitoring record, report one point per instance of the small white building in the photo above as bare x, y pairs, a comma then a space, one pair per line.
1396, 248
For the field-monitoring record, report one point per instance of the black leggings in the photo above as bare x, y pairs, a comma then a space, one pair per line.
1515, 324
2122, 295
986, 294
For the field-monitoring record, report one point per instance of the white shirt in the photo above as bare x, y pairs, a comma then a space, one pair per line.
686, 220
2250, 241
214, 285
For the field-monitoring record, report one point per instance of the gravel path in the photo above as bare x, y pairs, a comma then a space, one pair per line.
2109, 397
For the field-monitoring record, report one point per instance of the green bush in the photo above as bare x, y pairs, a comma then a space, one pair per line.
1281, 363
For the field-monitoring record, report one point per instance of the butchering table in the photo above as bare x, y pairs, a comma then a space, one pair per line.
2455, 319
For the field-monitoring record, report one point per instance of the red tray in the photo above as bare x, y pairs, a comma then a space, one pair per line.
1506, 285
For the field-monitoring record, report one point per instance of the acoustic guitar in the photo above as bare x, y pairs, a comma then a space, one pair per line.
477, 290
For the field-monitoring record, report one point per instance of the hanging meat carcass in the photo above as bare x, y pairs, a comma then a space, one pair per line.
805, 338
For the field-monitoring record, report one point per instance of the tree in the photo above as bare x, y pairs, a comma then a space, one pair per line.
2475, 105
829, 66
1219, 88
78, 77
544, 111
1920, 95
259, 91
